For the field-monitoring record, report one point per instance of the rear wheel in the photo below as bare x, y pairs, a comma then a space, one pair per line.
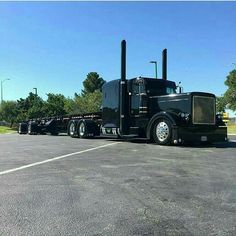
23, 128
82, 129
87, 128
162, 132
32, 128
72, 128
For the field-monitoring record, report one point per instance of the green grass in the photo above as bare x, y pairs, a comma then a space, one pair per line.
231, 128
5, 130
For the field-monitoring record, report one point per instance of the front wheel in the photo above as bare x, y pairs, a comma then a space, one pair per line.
162, 132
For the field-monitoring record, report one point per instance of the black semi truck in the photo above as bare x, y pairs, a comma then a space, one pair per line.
141, 107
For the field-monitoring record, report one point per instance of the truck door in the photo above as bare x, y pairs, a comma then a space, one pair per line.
138, 98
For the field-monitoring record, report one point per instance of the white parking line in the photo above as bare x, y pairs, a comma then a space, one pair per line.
55, 158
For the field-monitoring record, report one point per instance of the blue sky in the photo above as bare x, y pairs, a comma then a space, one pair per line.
54, 45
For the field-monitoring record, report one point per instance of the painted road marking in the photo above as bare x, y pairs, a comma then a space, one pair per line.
54, 159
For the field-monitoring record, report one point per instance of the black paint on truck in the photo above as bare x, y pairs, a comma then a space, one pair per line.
141, 107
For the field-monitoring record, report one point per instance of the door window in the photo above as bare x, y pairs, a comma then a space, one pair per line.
138, 89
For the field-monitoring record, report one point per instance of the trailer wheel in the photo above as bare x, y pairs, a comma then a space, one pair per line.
32, 128
82, 129
162, 132
23, 128
71, 131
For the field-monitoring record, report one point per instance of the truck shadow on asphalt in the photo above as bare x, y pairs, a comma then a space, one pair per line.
229, 144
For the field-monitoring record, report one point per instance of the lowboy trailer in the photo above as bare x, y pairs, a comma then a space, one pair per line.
142, 107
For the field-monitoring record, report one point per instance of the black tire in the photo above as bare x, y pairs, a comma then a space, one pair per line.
88, 129
72, 129
29, 129
32, 128
162, 132
23, 128
82, 129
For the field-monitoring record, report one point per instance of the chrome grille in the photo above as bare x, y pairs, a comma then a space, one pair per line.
203, 110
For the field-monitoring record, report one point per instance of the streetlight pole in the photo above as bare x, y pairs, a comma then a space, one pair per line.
2, 89
155, 62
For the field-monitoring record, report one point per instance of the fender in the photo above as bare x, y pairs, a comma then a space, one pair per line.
159, 115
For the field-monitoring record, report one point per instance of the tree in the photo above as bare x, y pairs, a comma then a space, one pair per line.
90, 102
55, 105
30, 107
70, 106
90, 99
230, 94
92, 83
22, 106
220, 104
36, 105
9, 112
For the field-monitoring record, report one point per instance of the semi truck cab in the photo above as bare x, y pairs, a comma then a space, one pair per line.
151, 108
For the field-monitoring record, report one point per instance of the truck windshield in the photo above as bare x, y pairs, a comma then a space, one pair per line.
157, 91
159, 87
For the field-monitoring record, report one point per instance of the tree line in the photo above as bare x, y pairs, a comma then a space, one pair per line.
89, 100
33, 106
228, 99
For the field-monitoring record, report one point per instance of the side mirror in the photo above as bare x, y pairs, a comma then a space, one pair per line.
180, 87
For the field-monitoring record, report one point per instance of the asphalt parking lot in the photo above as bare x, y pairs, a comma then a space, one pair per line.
56, 185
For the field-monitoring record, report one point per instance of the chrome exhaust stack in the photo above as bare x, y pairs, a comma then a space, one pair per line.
123, 89
164, 64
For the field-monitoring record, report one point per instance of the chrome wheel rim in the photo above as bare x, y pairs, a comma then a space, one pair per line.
162, 131
81, 129
72, 129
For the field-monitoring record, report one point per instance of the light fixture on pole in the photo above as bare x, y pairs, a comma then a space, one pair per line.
155, 62
35, 91
2, 89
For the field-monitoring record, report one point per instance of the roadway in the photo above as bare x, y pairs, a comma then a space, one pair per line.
56, 185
